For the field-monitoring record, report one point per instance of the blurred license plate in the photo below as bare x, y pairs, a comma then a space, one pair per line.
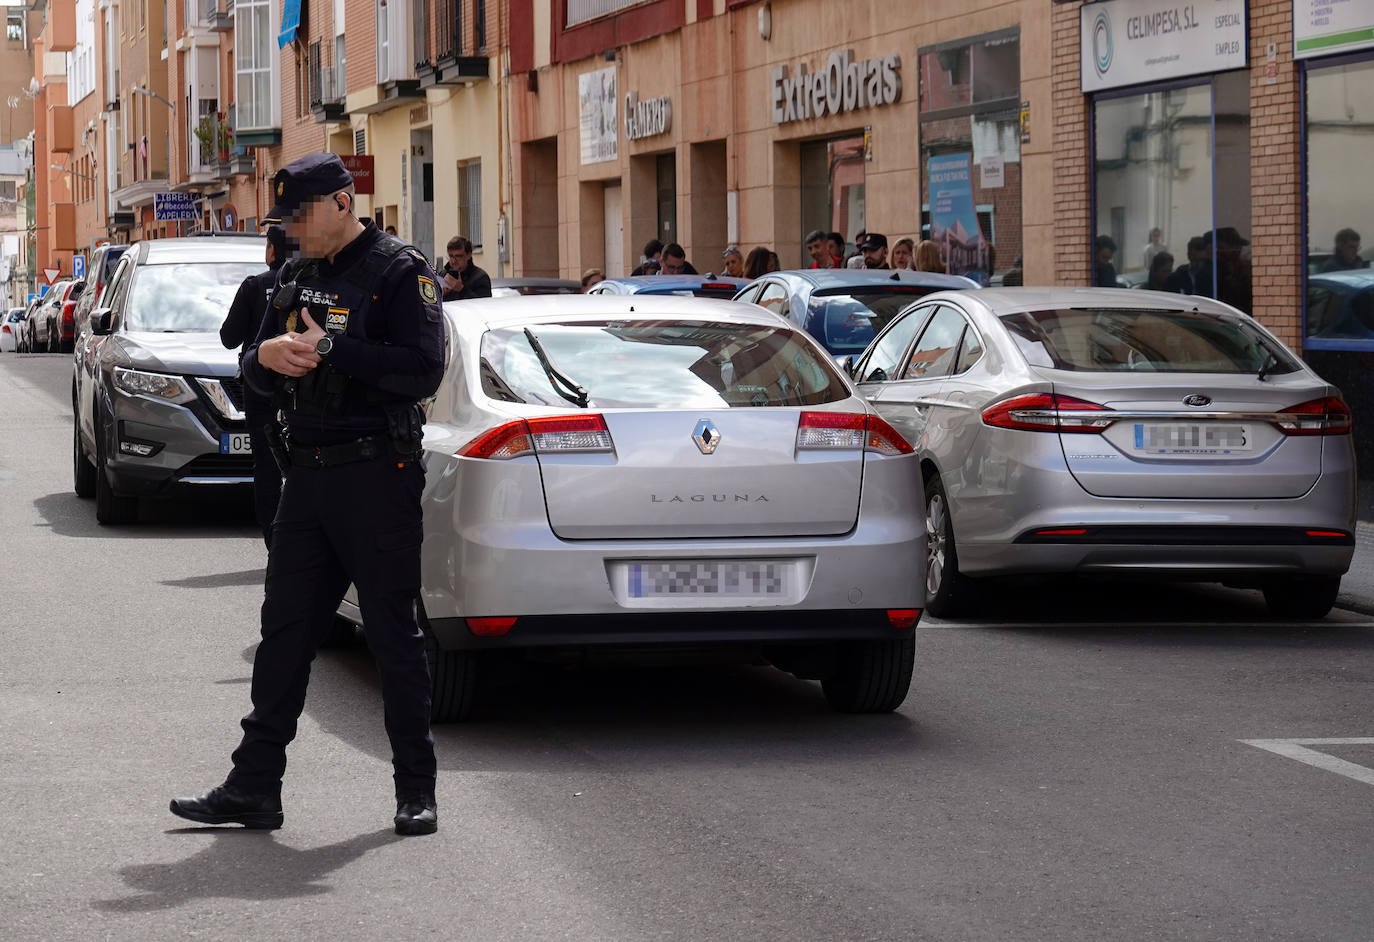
235, 443
711, 578
1192, 438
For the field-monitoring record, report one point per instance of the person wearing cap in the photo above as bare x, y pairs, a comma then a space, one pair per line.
240, 329
857, 259
352, 342
591, 278
732, 262
874, 249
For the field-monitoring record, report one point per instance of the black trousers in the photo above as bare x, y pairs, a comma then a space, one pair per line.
266, 474
356, 523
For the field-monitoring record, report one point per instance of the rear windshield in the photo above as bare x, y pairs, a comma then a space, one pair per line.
664, 364
849, 321
184, 297
724, 292
1144, 341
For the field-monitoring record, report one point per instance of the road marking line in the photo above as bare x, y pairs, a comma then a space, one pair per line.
1296, 749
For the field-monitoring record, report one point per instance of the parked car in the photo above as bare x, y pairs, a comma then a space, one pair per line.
516, 287
844, 308
101, 266
721, 287
45, 322
673, 472
22, 341
1118, 433
158, 408
1340, 304
9, 330
66, 320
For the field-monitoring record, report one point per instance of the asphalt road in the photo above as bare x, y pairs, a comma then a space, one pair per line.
1071, 766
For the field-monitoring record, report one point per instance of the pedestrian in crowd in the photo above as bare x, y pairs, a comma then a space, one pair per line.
1015, 276
732, 262
1104, 272
874, 249
1347, 254
390, 230
819, 247
352, 342
1194, 277
1160, 271
653, 250
758, 263
1154, 247
836, 240
590, 278
463, 279
1233, 268
774, 263
856, 260
928, 257
674, 261
903, 255
240, 329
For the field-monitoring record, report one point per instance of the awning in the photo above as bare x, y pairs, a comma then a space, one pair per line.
290, 22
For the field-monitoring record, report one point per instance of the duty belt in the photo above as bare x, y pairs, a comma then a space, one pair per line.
328, 456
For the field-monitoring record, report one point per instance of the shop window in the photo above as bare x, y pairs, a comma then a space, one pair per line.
970, 104
1339, 116
832, 190
1171, 189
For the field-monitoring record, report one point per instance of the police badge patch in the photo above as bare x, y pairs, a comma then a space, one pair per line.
336, 321
427, 292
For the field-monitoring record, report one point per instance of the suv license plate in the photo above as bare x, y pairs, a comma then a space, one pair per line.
235, 443
1192, 438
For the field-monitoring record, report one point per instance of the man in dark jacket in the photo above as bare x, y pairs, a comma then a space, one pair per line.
240, 329
462, 279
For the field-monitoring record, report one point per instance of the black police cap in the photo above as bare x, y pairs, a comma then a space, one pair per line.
310, 176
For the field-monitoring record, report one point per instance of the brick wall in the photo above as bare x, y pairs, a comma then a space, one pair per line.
1072, 203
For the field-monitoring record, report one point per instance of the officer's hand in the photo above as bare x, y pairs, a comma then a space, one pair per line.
288, 355
313, 331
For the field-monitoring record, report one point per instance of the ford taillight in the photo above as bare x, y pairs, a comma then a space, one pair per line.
1326, 416
1047, 412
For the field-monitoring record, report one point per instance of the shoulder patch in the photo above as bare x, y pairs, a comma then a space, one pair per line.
417, 255
427, 292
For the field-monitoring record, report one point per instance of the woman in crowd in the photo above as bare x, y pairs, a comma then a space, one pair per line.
590, 278
928, 257
902, 254
759, 262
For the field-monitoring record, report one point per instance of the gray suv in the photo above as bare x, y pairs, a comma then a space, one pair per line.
157, 402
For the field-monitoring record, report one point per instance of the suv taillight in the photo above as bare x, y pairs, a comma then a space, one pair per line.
546, 435
1326, 416
820, 430
1047, 412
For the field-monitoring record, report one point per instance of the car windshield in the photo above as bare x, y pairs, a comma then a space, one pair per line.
184, 297
848, 319
660, 364
1146, 341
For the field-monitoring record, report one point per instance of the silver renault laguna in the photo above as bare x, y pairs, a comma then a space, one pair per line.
674, 472
1129, 433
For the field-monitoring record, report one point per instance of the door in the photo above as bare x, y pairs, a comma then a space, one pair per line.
909, 401
615, 231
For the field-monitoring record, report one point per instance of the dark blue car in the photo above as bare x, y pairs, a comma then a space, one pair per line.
697, 286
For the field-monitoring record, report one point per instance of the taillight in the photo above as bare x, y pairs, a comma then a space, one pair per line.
903, 617
547, 435
822, 430
490, 627
1326, 416
1048, 412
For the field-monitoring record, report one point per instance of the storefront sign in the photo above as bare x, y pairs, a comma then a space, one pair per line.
360, 165
1321, 27
174, 207
598, 125
648, 117
991, 172
845, 84
1130, 42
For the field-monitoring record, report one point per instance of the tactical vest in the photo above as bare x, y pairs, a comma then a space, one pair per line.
339, 305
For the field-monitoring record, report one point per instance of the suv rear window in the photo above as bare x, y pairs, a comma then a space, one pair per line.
1140, 340
660, 364
849, 321
184, 297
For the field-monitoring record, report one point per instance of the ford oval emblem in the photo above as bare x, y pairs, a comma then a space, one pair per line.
1197, 399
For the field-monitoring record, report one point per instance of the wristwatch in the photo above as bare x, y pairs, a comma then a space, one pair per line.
324, 345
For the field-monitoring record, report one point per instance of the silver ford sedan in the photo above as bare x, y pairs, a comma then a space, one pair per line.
1122, 433
669, 472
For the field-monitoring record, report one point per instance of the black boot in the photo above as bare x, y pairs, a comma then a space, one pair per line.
225, 804
417, 815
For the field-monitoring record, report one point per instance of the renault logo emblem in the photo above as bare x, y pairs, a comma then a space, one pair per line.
707, 436
1197, 399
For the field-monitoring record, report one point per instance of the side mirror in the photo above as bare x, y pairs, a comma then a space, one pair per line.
101, 319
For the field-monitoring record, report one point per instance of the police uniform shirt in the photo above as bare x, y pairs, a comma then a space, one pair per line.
392, 351
243, 323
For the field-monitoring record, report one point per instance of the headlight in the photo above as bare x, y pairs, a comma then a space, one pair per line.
155, 385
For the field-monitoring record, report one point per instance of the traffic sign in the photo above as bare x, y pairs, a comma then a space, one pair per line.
50, 274
78, 266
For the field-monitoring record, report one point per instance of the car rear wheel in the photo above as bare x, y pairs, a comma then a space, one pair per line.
83, 472
1302, 597
871, 676
452, 675
54, 338
947, 590
110, 508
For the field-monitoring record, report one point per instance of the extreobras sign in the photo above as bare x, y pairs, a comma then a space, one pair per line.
845, 84
1131, 42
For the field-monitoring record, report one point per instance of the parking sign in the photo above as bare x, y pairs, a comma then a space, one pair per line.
78, 266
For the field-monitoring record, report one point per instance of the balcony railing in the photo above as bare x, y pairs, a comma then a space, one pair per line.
580, 11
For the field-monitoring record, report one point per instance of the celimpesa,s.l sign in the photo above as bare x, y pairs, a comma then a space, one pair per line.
844, 84
1129, 42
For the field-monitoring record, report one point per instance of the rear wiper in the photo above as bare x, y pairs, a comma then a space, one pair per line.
562, 385
489, 375
1270, 361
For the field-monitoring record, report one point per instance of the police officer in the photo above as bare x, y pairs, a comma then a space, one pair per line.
240, 329
352, 343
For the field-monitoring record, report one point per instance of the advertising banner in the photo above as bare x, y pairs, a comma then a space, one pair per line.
953, 218
1131, 42
1321, 27
598, 122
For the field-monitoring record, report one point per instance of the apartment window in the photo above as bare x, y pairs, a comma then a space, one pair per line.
257, 58
394, 60
14, 25
580, 11
360, 141
470, 201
